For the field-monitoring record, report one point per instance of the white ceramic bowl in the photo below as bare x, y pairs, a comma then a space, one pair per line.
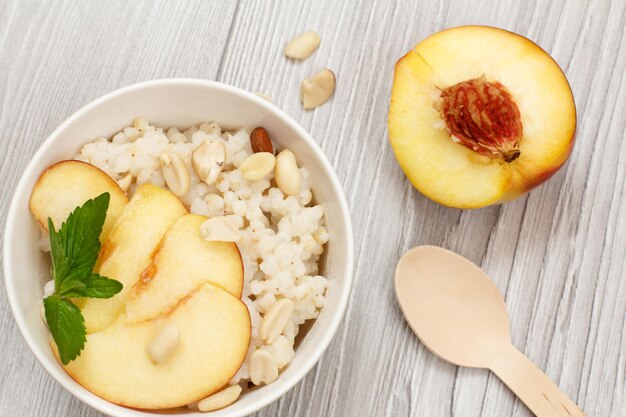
176, 102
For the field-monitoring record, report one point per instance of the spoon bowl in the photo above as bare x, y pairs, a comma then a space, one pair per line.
459, 314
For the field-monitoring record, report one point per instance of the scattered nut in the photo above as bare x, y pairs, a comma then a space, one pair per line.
257, 166
260, 141
301, 47
208, 159
287, 175
175, 173
125, 182
263, 369
219, 229
164, 343
282, 351
275, 320
220, 399
316, 90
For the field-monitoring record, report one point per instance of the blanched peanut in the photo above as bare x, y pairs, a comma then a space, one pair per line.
257, 166
220, 399
175, 173
164, 343
219, 229
282, 351
318, 89
208, 159
287, 175
301, 47
275, 320
263, 369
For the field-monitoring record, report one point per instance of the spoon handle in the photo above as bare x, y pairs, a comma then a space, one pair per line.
532, 386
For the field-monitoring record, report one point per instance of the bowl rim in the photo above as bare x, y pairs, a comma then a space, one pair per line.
326, 336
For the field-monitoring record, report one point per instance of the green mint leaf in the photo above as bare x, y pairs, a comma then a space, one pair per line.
76, 245
68, 287
74, 251
95, 286
57, 255
67, 326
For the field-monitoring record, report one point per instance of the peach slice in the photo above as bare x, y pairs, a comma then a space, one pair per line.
214, 334
68, 184
182, 262
128, 249
479, 116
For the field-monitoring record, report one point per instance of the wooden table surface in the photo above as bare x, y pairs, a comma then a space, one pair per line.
557, 254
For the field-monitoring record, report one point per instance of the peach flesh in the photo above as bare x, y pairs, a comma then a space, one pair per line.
434, 160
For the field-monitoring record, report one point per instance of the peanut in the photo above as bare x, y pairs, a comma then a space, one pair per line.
287, 175
164, 343
208, 159
301, 47
263, 369
175, 173
220, 399
275, 320
219, 229
257, 166
318, 89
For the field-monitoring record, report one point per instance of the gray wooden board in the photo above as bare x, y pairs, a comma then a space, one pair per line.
557, 254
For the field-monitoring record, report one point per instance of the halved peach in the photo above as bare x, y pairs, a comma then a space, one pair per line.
479, 116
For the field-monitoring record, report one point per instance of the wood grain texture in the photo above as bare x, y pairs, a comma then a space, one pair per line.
558, 254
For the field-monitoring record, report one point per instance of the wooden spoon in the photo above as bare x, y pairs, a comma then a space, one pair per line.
459, 314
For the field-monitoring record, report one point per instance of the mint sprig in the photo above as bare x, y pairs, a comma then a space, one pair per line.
74, 249
67, 326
